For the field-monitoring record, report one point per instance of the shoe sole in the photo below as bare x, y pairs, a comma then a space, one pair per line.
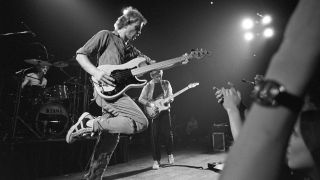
69, 139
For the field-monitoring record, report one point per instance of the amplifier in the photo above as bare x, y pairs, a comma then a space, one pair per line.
218, 142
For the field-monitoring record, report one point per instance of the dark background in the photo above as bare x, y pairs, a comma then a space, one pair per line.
174, 28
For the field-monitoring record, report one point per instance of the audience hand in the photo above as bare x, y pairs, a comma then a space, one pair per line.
230, 98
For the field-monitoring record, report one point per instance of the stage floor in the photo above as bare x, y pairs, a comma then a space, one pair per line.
190, 163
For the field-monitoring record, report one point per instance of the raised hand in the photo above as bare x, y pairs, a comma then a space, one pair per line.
228, 97
232, 98
218, 94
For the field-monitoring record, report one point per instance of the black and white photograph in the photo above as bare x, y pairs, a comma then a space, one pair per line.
160, 90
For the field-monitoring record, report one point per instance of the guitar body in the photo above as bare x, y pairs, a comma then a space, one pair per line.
153, 112
124, 79
162, 104
125, 75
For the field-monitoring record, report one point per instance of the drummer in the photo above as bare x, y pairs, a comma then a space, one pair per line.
36, 78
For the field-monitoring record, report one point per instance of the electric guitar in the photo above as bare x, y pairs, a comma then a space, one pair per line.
162, 104
125, 75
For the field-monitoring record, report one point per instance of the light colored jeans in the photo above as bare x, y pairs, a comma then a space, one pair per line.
128, 115
126, 118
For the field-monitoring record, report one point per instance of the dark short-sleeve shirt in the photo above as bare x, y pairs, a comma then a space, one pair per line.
157, 92
107, 47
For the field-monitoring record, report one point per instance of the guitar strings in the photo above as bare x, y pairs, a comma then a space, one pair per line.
159, 65
127, 73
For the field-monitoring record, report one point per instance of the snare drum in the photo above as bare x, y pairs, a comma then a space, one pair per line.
52, 120
57, 93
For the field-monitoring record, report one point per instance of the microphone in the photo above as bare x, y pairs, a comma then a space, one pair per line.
249, 82
29, 30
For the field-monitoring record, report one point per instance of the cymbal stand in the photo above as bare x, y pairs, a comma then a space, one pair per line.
74, 103
16, 116
61, 69
85, 104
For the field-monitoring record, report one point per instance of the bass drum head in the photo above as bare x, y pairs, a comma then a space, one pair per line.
52, 120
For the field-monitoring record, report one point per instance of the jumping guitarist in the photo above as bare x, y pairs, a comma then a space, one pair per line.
158, 88
122, 114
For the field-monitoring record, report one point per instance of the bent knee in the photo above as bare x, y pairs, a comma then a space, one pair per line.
141, 127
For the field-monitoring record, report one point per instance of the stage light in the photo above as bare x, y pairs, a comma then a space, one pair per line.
247, 23
266, 20
268, 32
248, 36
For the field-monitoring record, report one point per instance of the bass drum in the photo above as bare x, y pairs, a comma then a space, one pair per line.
52, 120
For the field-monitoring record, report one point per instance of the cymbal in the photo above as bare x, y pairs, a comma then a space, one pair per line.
73, 62
37, 62
60, 64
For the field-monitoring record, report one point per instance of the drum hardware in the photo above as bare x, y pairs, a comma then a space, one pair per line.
56, 93
23, 70
72, 61
73, 93
52, 120
17, 33
37, 62
60, 64
62, 70
33, 95
16, 116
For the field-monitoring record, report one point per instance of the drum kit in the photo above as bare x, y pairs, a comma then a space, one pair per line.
53, 109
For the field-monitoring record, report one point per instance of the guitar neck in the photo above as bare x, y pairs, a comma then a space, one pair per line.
160, 65
177, 93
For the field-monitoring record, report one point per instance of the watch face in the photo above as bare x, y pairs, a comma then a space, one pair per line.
271, 93
266, 92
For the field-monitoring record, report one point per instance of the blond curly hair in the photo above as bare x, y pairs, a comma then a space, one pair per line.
129, 16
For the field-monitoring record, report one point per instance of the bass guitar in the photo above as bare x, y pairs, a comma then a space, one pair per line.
125, 75
162, 104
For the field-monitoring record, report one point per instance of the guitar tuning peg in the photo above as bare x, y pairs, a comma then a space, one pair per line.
185, 61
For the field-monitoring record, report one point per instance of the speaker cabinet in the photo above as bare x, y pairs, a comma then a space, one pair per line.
218, 142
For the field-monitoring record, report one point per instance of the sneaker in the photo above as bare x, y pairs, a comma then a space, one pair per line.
156, 165
170, 159
80, 128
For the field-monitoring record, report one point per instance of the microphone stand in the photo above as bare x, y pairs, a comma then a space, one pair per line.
16, 116
23, 70
170, 124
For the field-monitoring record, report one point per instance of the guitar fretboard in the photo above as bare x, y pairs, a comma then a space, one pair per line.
179, 92
160, 65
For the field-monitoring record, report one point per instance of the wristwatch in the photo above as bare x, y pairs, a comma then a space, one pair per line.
271, 93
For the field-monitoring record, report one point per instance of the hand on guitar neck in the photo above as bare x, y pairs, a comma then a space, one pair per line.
113, 80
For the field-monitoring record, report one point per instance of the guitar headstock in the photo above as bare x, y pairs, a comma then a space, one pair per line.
198, 53
192, 85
